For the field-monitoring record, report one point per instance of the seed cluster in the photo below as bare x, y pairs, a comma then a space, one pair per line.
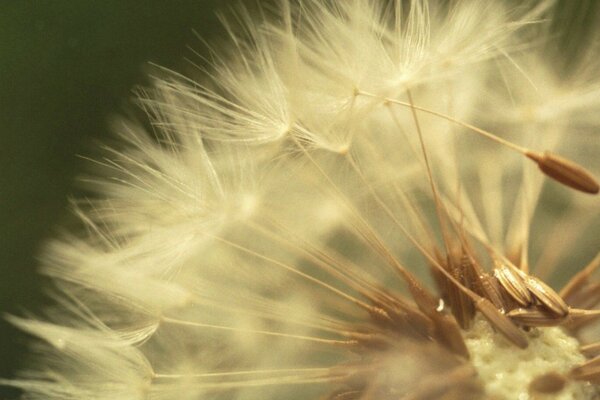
505, 300
538, 372
343, 206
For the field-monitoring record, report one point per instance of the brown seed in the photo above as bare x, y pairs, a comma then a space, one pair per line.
588, 371
514, 285
534, 317
565, 171
589, 375
371, 341
502, 323
426, 302
590, 350
491, 288
448, 333
399, 314
461, 305
579, 318
552, 382
580, 279
587, 297
547, 296
472, 271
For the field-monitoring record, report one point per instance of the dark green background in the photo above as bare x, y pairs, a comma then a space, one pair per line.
66, 66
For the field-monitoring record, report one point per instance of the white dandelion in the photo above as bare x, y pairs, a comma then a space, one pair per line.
349, 205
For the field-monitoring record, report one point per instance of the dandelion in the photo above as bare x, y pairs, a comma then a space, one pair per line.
346, 209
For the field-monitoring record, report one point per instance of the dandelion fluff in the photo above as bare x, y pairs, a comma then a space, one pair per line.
343, 206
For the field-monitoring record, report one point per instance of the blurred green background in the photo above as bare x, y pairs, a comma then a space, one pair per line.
66, 66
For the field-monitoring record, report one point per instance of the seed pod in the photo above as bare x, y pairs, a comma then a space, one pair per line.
514, 285
591, 375
549, 383
492, 290
565, 171
588, 371
579, 318
534, 317
580, 279
590, 350
372, 340
547, 296
461, 305
502, 323
448, 332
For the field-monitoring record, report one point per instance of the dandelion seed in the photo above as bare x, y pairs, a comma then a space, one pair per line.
316, 219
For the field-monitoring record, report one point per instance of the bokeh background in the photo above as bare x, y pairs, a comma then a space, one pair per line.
67, 66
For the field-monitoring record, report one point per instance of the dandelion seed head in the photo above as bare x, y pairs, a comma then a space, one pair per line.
344, 206
508, 372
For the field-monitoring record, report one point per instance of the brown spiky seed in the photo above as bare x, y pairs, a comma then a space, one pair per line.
580, 279
492, 290
534, 317
590, 350
588, 371
552, 382
502, 323
565, 171
547, 296
514, 285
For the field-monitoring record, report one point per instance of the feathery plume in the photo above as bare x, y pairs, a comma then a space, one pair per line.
344, 208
